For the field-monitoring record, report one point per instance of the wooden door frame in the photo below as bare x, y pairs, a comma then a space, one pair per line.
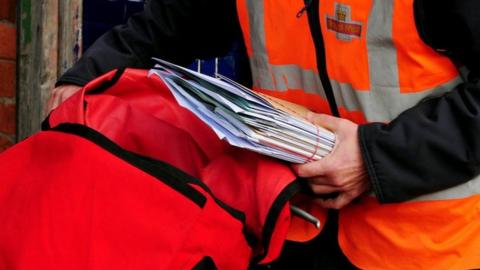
49, 42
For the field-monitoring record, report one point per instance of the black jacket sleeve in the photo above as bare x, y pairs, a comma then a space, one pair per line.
436, 144
175, 30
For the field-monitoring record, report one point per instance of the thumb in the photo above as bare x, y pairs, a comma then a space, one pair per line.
324, 120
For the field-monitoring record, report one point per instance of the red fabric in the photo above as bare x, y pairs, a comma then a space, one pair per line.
66, 203
252, 184
140, 114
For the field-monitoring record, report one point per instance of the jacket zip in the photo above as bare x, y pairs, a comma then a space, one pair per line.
307, 5
312, 8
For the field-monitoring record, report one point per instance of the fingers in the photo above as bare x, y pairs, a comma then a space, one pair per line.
319, 180
342, 172
338, 202
344, 198
53, 101
323, 189
312, 169
60, 94
50, 103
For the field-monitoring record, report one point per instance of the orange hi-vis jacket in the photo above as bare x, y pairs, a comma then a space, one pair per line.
376, 66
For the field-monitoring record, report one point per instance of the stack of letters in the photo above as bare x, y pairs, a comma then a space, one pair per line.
245, 118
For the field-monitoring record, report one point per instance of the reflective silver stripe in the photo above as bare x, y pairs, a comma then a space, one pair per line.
293, 77
383, 101
465, 190
382, 54
275, 77
378, 106
387, 104
261, 74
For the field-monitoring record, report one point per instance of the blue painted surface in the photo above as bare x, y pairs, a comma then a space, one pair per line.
101, 15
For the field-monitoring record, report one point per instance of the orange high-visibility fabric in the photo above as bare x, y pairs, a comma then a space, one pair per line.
378, 67
420, 67
287, 41
442, 234
282, 52
282, 47
347, 62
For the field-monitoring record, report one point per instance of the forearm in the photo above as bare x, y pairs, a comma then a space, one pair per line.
431, 147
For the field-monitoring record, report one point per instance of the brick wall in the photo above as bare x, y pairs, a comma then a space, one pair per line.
7, 73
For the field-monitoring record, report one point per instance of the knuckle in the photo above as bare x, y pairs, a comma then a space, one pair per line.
321, 117
316, 188
343, 124
337, 203
337, 206
297, 169
329, 165
64, 96
303, 171
342, 121
332, 204
71, 90
337, 181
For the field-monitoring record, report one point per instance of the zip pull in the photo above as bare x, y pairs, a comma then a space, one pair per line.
308, 3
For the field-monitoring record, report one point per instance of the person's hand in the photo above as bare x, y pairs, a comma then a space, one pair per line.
60, 94
343, 170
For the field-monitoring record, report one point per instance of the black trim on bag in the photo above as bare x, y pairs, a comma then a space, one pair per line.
192, 180
46, 123
206, 263
147, 164
287, 193
99, 89
252, 240
108, 83
164, 172
161, 171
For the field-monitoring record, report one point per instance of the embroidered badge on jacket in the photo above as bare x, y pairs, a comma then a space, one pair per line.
342, 23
